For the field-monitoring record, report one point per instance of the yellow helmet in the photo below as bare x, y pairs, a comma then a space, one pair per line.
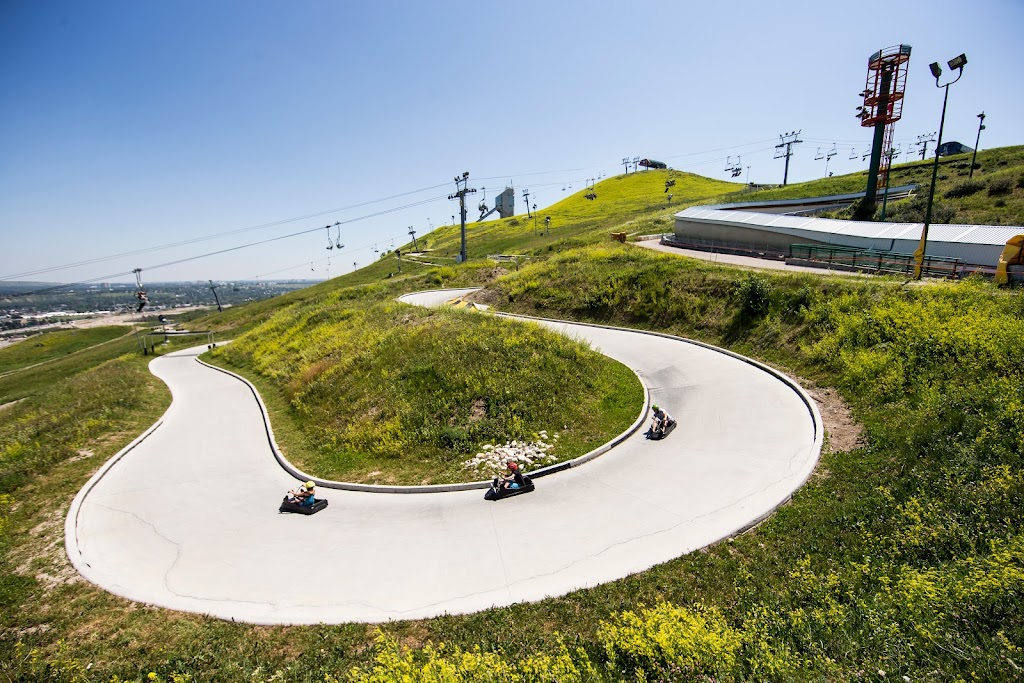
309, 484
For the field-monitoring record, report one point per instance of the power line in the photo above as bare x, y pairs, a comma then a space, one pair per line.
284, 221
215, 236
719, 149
223, 251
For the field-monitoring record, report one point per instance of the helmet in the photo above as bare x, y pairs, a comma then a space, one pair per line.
655, 407
513, 466
309, 484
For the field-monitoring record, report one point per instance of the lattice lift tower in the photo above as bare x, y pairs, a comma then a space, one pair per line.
883, 106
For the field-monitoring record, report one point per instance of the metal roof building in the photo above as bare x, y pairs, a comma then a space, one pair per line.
708, 227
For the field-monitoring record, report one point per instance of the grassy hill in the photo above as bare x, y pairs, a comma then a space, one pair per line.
901, 558
374, 391
994, 196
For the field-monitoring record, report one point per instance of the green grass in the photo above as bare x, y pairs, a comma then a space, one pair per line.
383, 392
47, 346
56, 367
979, 208
903, 555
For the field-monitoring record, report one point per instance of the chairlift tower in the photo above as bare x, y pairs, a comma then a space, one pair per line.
883, 95
215, 297
923, 141
461, 190
787, 140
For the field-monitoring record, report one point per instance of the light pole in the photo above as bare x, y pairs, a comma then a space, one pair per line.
974, 157
958, 64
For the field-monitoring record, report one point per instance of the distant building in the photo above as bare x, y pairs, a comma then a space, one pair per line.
953, 147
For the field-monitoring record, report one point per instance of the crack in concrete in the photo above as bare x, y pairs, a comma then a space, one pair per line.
175, 544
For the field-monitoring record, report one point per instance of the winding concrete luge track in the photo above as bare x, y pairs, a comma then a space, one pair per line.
186, 517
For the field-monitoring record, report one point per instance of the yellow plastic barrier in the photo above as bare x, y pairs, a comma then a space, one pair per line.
1013, 254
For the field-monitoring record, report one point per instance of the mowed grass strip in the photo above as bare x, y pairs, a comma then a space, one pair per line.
383, 392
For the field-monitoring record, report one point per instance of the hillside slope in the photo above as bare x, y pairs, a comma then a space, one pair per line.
902, 557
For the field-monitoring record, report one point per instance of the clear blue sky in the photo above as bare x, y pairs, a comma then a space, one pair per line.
130, 125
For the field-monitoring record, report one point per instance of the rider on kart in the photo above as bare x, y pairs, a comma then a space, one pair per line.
661, 420
514, 479
305, 495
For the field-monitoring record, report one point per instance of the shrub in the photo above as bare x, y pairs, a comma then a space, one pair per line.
1000, 185
964, 188
754, 294
863, 209
1020, 181
943, 213
913, 210
446, 664
697, 641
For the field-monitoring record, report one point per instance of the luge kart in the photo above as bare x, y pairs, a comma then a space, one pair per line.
497, 491
292, 506
655, 435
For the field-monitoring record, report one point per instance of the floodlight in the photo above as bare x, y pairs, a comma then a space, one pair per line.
957, 62
936, 69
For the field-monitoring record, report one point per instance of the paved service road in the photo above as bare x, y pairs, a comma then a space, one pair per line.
187, 518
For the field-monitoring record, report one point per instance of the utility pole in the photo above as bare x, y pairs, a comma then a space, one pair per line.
787, 140
398, 255
625, 162
526, 198
413, 233
974, 157
922, 142
215, 297
461, 190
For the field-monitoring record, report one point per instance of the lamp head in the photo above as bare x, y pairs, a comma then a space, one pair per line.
957, 62
936, 69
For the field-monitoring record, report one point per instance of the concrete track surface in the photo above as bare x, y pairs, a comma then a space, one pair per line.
186, 517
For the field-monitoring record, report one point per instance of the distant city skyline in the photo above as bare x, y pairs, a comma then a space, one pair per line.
126, 126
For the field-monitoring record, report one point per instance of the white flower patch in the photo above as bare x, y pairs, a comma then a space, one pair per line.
529, 454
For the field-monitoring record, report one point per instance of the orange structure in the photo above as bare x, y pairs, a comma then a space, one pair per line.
883, 106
